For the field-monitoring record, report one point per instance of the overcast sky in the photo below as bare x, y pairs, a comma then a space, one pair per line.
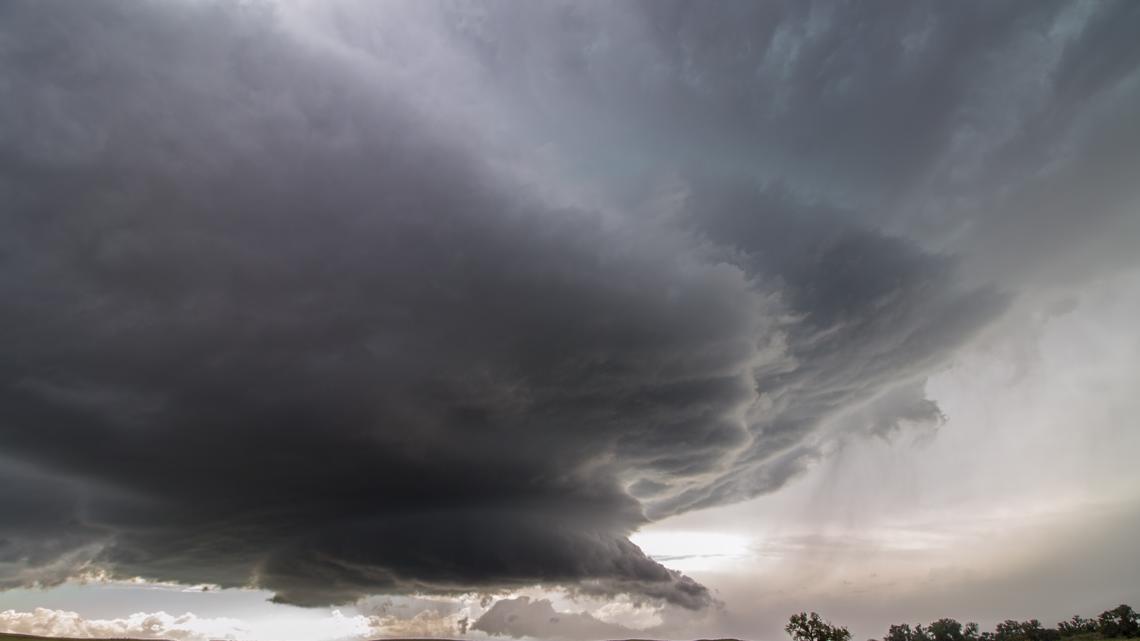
331, 320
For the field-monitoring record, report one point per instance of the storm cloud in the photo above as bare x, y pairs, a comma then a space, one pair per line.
355, 298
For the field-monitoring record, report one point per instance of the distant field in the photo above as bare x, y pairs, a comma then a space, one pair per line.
5, 636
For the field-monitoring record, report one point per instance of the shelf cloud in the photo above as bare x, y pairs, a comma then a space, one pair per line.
347, 298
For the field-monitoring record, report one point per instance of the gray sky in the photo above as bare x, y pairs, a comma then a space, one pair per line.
343, 319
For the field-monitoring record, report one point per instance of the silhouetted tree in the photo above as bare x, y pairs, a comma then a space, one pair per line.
1077, 625
951, 630
940, 630
1121, 621
804, 627
1031, 630
905, 633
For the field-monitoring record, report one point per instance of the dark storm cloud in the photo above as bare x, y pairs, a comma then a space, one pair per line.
297, 304
42, 537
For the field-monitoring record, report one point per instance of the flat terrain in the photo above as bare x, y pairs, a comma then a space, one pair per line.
5, 636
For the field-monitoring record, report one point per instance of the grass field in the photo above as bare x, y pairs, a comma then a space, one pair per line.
5, 636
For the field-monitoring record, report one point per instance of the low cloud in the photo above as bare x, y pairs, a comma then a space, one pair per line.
537, 619
141, 625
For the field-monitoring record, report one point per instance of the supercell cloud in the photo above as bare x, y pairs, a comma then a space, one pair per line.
336, 299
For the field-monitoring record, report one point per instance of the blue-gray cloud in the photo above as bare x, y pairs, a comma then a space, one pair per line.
426, 298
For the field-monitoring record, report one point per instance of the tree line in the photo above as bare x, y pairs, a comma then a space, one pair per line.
1117, 623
